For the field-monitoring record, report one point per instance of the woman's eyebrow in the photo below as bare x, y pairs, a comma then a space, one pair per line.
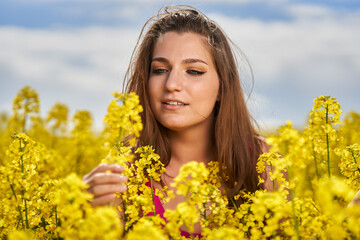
188, 60
193, 60
160, 59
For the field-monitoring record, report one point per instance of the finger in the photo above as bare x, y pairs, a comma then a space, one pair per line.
356, 199
104, 200
114, 168
100, 190
106, 178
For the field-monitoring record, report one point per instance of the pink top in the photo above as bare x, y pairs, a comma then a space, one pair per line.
159, 210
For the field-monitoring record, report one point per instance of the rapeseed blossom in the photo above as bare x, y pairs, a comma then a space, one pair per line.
123, 127
350, 165
82, 157
145, 229
139, 200
323, 134
311, 176
26, 105
77, 218
123, 117
58, 116
26, 190
349, 128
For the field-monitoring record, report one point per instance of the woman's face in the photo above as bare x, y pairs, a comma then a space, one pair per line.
183, 82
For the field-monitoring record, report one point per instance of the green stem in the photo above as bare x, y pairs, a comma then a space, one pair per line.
294, 215
21, 217
56, 217
43, 223
12, 187
233, 203
124, 208
24, 123
273, 181
23, 191
139, 207
315, 207
293, 208
231, 199
327, 141
78, 156
25, 115
120, 137
204, 205
152, 195
352, 154
21, 157
315, 160
26, 214
18, 207
247, 232
56, 221
187, 195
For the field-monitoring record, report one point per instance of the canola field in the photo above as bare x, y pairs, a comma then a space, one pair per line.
42, 161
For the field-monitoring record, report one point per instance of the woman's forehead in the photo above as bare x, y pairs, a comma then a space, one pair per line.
182, 45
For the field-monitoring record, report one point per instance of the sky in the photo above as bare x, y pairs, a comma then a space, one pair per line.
77, 51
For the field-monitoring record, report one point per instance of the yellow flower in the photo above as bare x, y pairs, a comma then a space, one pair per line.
185, 214
230, 233
146, 230
124, 120
26, 104
350, 165
79, 220
82, 121
27, 186
21, 235
323, 118
58, 116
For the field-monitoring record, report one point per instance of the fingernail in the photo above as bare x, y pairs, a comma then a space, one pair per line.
120, 167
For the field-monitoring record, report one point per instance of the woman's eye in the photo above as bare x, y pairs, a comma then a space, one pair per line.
195, 72
159, 70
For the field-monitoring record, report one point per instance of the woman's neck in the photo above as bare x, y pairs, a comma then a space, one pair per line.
192, 145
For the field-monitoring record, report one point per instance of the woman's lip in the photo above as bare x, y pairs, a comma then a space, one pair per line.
173, 107
174, 103
166, 101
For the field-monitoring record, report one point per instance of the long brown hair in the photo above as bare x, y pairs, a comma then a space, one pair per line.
237, 147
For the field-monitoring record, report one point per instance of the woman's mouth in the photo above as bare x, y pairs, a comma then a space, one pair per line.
173, 103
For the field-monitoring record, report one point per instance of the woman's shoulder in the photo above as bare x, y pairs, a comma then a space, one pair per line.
264, 147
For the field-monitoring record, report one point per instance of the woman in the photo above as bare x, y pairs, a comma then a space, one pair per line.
185, 74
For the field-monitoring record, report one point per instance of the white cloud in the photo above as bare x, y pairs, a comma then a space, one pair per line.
263, 111
88, 59
318, 48
158, 1
325, 49
309, 11
315, 53
129, 13
79, 67
91, 1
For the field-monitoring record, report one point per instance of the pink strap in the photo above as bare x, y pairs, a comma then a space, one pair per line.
159, 210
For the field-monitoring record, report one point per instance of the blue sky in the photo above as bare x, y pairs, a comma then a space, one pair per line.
76, 52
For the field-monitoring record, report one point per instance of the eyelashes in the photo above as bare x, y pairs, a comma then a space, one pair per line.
195, 72
159, 71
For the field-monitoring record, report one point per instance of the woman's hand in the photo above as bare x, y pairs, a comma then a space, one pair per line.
356, 199
105, 180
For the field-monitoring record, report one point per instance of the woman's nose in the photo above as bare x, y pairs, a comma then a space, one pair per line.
174, 81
